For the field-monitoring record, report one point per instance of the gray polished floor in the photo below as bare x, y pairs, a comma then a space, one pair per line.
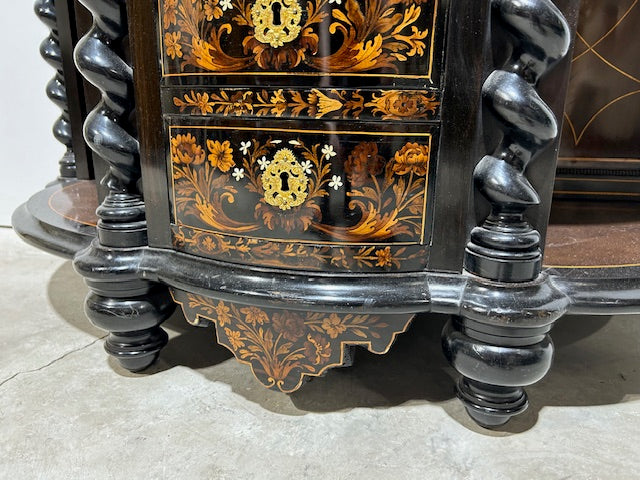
67, 411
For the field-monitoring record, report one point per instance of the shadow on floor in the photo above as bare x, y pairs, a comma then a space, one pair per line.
596, 363
66, 291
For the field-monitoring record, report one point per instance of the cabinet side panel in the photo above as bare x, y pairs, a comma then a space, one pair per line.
461, 139
143, 36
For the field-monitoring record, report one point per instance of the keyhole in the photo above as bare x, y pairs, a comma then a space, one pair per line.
284, 177
275, 9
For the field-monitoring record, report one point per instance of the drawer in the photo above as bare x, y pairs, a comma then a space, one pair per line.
315, 199
385, 40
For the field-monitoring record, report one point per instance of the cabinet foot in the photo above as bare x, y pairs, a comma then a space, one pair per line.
491, 405
496, 364
135, 337
129, 308
136, 351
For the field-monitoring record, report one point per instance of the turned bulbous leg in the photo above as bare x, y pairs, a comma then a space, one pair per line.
129, 308
135, 337
496, 363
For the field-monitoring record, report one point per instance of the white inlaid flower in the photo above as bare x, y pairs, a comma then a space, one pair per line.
328, 152
244, 147
339, 2
264, 163
306, 166
238, 174
276, 142
294, 142
226, 5
336, 182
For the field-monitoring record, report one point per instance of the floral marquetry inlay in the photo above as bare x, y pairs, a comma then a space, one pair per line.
283, 347
299, 256
355, 203
356, 104
351, 37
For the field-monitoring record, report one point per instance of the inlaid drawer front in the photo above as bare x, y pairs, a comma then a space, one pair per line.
309, 199
392, 38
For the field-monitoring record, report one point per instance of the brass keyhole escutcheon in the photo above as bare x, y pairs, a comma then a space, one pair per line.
276, 22
284, 181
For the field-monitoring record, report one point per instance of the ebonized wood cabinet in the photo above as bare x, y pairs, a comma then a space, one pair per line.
307, 176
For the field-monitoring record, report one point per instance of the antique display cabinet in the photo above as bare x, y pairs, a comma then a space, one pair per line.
305, 177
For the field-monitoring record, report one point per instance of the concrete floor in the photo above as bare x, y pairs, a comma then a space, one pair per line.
69, 412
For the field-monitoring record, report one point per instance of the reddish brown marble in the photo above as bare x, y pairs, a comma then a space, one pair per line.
76, 202
593, 234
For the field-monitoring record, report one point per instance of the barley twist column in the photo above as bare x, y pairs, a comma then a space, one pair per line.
56, 91
131, 309
500, 344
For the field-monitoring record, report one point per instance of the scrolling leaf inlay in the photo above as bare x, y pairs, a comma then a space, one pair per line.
221, 36
282, 347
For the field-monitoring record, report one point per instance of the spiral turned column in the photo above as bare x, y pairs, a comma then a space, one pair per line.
500, 343
131, 309
56, 91
506, 248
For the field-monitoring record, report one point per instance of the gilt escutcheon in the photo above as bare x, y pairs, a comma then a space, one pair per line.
284, 181
276, 22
